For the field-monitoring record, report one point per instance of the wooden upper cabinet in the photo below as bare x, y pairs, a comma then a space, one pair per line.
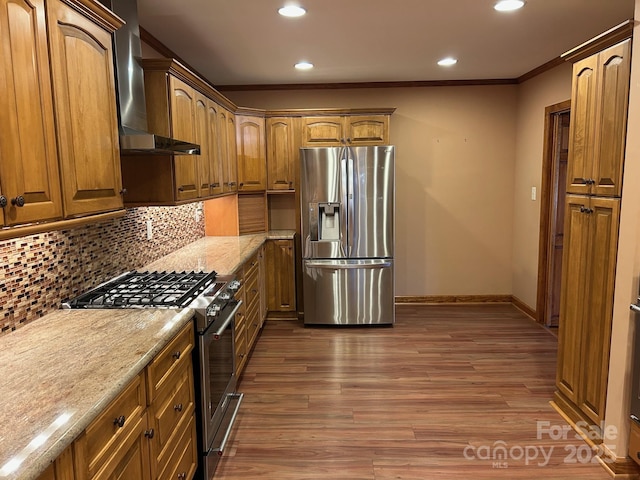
232, 163
345, 130
322, 131
216, 152
29, 166
614, 66
252, 167
282, 154
367, 130
600, 93
202, 138
183, 127
87, 119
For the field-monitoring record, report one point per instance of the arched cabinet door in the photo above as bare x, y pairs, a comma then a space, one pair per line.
29, 178
86, 113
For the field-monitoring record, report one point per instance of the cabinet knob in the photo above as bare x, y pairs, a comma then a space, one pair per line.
149, 433
18, 201
181, 189
232, 184
241, 184
590, 181
178, 407
3, 201
176, 355
119, 421
123, 191
348, 140
182, 476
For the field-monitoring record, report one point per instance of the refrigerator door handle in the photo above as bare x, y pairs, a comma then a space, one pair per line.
344, 196
350, 201
340, 265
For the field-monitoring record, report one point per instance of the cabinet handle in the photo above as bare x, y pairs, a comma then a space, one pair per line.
3, 201
176, 355
254, 291
18, 201
149, 433
348, 140
182, 476
214, 185
178, 407
119, 421
241, 184
589, 210
232, 184
242, 355
590, 181
181, 189
123, 191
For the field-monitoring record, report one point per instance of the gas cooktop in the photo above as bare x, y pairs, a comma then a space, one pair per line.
148, 289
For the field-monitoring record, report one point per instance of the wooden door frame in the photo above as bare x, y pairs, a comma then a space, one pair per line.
547, 196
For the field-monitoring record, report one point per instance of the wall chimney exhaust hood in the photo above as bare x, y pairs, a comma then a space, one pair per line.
132, 110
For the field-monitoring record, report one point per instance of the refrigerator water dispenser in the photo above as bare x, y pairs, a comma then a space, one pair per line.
329, 221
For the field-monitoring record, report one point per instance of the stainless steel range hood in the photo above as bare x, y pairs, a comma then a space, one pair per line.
132, 110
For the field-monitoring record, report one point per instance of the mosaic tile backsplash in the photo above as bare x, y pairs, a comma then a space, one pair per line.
39, 272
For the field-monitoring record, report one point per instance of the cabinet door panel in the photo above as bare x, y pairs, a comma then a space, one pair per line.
581, 126
183, 128
572, 297
322, 131
596, 323
232, 165
369, 130
29, 164
215, 149
202, 139
281, 282
280, 153
613, 94
84, 86
251, 154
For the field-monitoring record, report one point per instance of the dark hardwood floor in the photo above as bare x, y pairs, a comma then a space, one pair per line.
450, 392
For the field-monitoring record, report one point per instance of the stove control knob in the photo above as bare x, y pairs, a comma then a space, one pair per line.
234, 285
225, 296
213, 310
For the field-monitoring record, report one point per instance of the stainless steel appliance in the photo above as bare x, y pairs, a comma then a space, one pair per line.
347, 215
215, 306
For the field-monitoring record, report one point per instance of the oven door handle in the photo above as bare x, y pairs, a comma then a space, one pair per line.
635, 308
218, 333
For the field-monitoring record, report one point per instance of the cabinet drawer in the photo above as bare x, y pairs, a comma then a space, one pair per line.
251, 290
634, 442
184, 457
173, 405
250, 266
241, 352
170, 359
107, 432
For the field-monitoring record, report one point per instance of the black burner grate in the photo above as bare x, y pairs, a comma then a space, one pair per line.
146, 289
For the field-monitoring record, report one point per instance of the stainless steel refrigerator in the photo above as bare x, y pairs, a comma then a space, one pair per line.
347, 214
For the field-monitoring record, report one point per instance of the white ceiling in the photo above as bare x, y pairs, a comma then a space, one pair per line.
237, 42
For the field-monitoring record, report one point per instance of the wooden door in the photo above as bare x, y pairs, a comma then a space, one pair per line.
232, 151
603, 217
87, 120
322, 131
556, 233
183, 128
29, 166
367, 130
202, 139
216, 150
251, 154
574, 269
281, 153
581, 130
281, 285
614, 65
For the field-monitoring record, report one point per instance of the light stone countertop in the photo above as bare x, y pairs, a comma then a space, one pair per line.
59, 372
223, 255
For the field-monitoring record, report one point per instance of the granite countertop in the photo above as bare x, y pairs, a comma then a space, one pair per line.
59, 372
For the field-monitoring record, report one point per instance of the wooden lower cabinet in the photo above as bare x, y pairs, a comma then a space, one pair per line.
588, 273
141, 435
281, 282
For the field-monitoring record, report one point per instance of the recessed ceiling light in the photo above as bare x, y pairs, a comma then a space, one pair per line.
292, 11
447, 62
508, 5
304, 66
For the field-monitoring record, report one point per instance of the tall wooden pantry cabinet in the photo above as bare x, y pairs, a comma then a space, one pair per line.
599, 101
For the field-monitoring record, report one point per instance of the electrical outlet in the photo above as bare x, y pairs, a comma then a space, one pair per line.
534, 193
149, 229
198, 214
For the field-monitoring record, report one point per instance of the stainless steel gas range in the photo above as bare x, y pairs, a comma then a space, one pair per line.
213, 300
